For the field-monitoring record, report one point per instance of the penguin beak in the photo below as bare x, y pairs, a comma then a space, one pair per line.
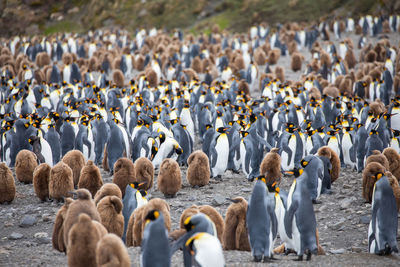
142, 183
74, 194
289, 172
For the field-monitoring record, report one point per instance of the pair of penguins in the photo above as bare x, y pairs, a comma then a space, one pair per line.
291, 214
201, 246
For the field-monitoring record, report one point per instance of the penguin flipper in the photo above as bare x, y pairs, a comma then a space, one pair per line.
213, 156
288, 151
288, 220
87, 143
274, 222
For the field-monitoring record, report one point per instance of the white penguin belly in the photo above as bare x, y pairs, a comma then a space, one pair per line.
222, 149
46, 152
285, 156
243, 159
333, 143
296, 237
394, 143
346, 145
395, 119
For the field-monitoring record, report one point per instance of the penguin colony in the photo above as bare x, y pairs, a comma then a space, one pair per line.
139, 104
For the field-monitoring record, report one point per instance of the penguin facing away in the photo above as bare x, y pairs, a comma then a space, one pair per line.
382, 231
155, 250
261, 222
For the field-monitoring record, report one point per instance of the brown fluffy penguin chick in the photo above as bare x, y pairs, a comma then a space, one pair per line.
197, 64
61, 181
25, 164
215, 217
369, 179
118, 78
108, 189
124, 173
7, 184
394, 161
90, 178
280, 73
198, 171
371, 56
83, 238
83, 204
259, 56
58, 227
169, 179
235, 235
144, 172
188, 213
110, 211
273, 56
134, 234
377, 156
111, 252
243, 87
350, 58
75, 160
395, 187
297, 61
271, 167
331, 91
41, 177
333, 158
314, 93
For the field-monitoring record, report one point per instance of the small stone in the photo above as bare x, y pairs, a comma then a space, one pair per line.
338, 225
42, 238
46, 217
365, 219
218, 200
15, 236
8, 224
246, 189
337, 251
356, 249
27, 221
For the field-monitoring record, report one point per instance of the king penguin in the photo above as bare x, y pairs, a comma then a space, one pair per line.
155, 250
132, 200
300, 222
206, 250
261, 222
382, 231
219, 153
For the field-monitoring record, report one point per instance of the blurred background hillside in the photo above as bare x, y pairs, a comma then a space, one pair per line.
40, 16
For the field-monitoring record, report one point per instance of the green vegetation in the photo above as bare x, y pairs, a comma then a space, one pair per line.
191, 15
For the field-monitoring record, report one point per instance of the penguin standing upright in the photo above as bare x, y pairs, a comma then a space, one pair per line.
348, 147
42, 149
372, 143
219, 153
155, 250
261, 222
291, 148
115, 145
132, 200
300, 222
359, 142
382, 231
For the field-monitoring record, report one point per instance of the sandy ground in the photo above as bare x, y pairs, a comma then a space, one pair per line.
342, 218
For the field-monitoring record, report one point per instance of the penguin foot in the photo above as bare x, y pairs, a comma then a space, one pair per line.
257, 258
250, 179
288, 251
218, 178
299, 258
308, 253
316, 201
169, 196
236, 171
270, 259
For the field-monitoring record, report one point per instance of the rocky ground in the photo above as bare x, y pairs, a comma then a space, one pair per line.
342, 218
26, 224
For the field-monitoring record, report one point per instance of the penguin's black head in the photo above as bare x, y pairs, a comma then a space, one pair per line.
372, 132
178, 149
273, 188
222, 129
253, 118
143, 192
304, 163
261, 178
296, 172
152, 216
136, 185
162, 137
395, 132
244, 133
188, 224
378, 176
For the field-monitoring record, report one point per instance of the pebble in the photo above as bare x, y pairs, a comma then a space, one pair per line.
15, 236
42, 238
218, 200
356, 249
337, 251
27, 221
